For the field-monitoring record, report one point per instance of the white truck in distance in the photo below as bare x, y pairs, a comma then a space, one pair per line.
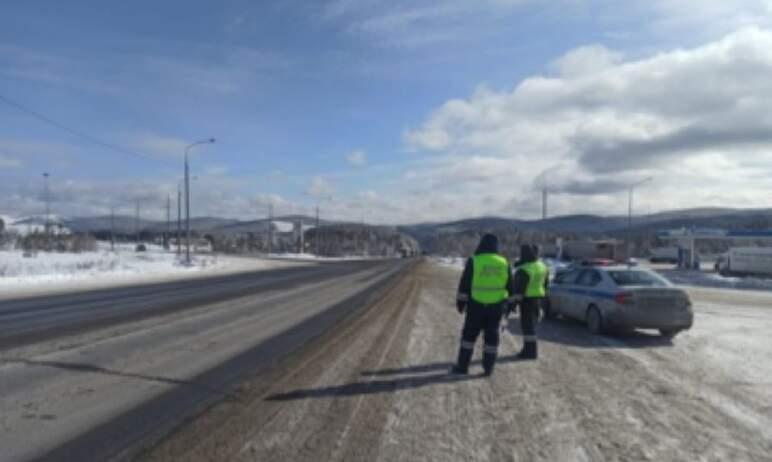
745, 261
664, 255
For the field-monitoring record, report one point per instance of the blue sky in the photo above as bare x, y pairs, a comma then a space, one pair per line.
403, 111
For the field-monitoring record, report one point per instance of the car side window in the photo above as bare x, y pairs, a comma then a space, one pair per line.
589, 278
565, 277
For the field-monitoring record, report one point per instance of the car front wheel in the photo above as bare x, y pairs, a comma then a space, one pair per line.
669, 333
594, 320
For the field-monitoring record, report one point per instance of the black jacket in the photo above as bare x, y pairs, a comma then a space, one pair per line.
488, 244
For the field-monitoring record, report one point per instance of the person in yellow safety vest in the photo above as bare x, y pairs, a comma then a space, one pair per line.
483, 294
530, 288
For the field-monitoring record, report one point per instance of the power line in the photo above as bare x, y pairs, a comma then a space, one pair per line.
75, 132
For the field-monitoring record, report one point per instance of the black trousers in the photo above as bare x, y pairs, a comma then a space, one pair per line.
529, 314
485, 319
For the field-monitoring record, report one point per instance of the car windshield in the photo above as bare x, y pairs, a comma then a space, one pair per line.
637, 278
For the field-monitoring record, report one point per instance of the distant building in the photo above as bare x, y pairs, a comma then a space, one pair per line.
608, 249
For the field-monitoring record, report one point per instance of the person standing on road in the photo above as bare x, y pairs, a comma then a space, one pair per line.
483, 293
530, 288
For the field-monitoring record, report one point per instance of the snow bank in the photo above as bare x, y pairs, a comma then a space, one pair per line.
48, 267
713, 280
50, 273
310, 256
449, 262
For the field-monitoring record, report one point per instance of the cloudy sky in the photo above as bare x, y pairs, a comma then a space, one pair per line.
392, 112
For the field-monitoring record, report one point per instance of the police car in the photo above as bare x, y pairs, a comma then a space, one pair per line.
619, 297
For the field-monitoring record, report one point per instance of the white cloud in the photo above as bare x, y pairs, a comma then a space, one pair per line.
696, 119
51, 69
357, 158
416, 23
19, 152
710, 17
319, 187
158, 145
586, 60
217, 170
368, 195
9, 162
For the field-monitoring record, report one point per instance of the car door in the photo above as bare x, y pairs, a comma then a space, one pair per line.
571, 293
558, 290
586, 282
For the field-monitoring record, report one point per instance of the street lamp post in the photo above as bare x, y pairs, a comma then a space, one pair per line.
318, 233
270, 229
319, 201
179, 219
168, 235
187, 196
112, 228
47, 199
630, 212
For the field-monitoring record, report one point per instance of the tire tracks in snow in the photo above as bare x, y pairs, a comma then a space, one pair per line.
311, 407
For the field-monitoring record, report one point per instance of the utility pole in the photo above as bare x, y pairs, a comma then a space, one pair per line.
112, 228
187, 210
179, 220
630, 214
302, 237
270, 228
136, 223
168, 220
318, 234
47, 199
187, 196
544, 195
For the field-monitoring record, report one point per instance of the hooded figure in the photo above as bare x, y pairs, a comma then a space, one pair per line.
483, 293
489, 243
530, 287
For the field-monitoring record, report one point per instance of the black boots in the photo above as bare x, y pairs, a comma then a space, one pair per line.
529, 351
488, 362
464, 358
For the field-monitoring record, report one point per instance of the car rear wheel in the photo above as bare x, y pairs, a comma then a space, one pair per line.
594, 320
669, 333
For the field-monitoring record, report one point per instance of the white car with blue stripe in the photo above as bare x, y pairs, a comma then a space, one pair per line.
619, 298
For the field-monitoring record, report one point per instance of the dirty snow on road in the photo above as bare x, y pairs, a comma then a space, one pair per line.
703, 396
379, 389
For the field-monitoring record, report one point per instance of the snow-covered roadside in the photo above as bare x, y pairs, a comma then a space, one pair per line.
449, 262
713, 280
312, 257
50, 272
703, 396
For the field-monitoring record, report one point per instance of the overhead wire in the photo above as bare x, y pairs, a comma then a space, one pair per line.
75, 132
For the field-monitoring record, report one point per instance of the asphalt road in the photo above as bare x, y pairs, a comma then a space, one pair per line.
28, 320
380, 391
97, 375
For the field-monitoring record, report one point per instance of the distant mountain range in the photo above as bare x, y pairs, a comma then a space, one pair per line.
587, 225
127, 224
702, 217
430, 234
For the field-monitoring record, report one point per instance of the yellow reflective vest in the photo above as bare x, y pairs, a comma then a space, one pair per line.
489, 279
537, 275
